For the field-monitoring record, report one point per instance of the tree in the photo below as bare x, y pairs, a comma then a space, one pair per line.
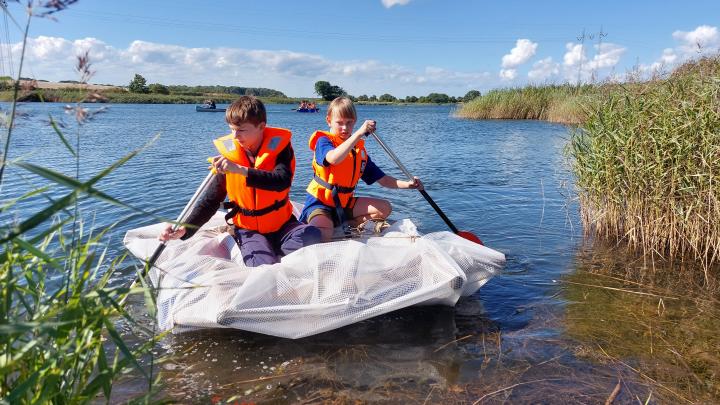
158, 88
388, 98
363, 97
437, 98
373, 98
411, 99
471, 95
328, 91
138, 84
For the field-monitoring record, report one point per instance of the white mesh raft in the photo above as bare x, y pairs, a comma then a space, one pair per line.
203, 283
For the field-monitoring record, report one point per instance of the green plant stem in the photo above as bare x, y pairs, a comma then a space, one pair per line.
16, 89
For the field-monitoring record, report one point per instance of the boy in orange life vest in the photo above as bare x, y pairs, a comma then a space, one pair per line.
339, 162
255, 169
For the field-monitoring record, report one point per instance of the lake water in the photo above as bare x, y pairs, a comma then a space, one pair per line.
569, 320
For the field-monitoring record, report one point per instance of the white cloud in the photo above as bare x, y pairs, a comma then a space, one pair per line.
573, 54
523, 51
293, 73
543, 70
390, 3
606, 56
508, 74
669, 56
703, 39
577, 66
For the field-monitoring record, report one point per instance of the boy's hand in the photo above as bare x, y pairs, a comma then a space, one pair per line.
416, 184
168, 233
367, 127
222, 165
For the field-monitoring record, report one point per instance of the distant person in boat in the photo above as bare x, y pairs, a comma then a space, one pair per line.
339, 162
303, 105
311, 106
254, 170
209, 104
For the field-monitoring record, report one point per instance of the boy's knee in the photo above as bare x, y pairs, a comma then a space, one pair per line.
384, 208
258, 258
310, 235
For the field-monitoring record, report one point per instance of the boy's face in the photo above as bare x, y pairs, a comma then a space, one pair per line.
248, 135
340, 126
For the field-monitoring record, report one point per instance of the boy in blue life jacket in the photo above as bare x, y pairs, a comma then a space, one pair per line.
254, 170
339, 162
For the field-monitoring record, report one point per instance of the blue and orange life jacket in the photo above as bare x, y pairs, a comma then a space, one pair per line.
253, 208
335, 184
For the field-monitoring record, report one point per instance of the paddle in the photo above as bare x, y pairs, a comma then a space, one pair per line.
181, 218
464, 234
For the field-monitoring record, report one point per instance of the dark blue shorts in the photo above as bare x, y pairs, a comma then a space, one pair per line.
318, 208
258, 248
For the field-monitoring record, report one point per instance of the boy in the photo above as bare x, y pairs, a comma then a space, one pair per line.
254, 170
339, 162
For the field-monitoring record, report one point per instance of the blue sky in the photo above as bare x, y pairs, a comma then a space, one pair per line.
403, 47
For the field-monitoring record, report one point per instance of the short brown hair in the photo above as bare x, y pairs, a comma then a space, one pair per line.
246, 109
343, 106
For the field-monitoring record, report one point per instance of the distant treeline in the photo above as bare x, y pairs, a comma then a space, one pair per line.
140, 91
240, 91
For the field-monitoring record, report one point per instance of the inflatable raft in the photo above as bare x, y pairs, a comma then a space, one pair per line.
203, 283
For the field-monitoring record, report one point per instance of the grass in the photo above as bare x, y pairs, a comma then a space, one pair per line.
647, 162
556, 103
58, 339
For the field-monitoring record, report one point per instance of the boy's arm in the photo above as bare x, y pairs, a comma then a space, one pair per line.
207, 205
392, 182
277, 179
339, 154
373, 173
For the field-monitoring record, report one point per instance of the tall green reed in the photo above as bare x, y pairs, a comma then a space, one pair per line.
647, 163
58, 341
556, 103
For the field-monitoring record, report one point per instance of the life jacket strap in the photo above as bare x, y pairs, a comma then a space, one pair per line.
340, 189
236, 209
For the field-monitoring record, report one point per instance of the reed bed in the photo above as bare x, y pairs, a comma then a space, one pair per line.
556, 103
58, 312
647, 162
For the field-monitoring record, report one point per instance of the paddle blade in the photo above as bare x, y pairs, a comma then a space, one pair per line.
469, 236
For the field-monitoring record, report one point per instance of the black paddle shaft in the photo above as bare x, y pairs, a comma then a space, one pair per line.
410, 176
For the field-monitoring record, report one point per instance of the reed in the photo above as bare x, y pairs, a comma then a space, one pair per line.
647, 162
58, 339
556, 103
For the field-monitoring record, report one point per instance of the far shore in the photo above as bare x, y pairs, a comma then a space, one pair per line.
73, 92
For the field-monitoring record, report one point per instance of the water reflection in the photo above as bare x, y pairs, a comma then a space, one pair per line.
403, 353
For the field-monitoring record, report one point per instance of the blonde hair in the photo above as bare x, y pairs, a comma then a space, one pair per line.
343, 107
246, 109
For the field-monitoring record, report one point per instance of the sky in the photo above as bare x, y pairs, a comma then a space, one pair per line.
400, 47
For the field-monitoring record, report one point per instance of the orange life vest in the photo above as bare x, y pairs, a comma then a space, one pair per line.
339, 179
256, 209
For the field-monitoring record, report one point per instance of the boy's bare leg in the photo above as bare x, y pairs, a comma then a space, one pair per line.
370, 208
325, 224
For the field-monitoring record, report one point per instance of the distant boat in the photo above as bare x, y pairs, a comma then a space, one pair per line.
308, 110
199, 108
